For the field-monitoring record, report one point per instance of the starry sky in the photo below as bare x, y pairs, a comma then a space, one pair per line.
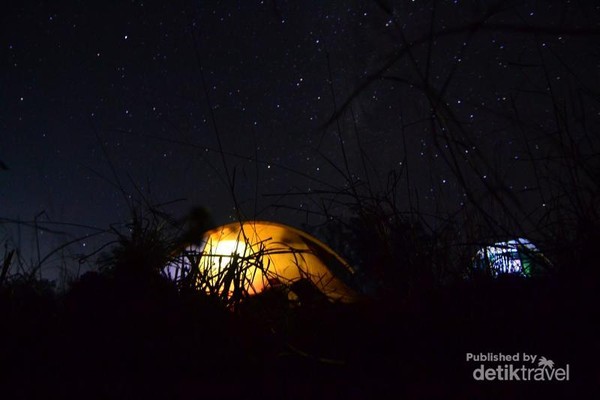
289, 104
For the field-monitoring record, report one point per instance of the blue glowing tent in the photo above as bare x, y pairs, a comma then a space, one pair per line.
515, 257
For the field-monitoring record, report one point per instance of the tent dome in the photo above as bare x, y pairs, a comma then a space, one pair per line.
516, 257
247, 257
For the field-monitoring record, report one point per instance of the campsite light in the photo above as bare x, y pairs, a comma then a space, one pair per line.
223, 250
516, 257
249, 256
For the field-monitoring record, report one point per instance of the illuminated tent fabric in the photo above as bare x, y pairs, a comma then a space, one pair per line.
517, 257
250, 256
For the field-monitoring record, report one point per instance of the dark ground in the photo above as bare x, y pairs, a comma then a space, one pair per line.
125, 336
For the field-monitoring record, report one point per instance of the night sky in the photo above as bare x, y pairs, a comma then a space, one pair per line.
102, 102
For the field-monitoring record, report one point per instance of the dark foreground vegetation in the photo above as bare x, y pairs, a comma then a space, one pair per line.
126, 332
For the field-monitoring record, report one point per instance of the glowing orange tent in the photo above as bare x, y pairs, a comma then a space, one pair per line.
247, 257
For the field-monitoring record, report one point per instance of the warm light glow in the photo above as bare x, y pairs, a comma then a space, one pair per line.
253, 255
225, 248
220, 257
